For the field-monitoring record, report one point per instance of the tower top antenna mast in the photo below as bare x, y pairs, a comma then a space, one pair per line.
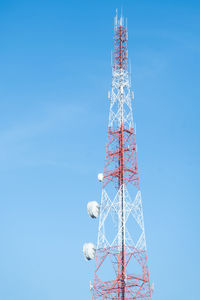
120, 44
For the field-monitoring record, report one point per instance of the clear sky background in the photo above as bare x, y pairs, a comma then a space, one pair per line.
54, 77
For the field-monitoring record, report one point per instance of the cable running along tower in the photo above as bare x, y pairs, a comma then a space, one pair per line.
121, 269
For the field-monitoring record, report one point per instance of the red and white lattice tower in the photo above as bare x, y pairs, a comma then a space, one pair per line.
121, 269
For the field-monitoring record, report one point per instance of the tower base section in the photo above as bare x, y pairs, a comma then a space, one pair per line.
124, 285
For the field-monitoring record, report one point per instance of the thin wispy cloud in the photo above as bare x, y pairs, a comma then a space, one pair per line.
17, 142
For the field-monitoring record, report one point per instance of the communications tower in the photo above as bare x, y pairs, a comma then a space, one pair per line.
121, 269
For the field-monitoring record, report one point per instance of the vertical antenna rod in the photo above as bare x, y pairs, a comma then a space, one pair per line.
120, 64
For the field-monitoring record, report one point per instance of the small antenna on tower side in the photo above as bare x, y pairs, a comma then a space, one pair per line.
121, 18
130, 70
116, 17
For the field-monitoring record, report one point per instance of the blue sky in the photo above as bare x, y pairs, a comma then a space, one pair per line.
54, 76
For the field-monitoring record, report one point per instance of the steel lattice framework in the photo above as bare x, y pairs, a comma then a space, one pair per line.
121, 270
